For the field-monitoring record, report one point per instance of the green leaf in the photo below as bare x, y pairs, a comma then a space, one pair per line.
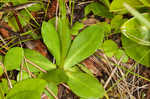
1, 69
146, 2
139, 53
84, 45
17, 2
4, 85
97, 9
29, 89
137, 15
120, 54
25, 95
116, 23
106, 2
117, 5
110, 48
107, 28
84, 85
13, 58
2, 94
51, 39
53, 87
56, 76
76, 27
85, 69
137, 31
36, 7
65, 37
38, 59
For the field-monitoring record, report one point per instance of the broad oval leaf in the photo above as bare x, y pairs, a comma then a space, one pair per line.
117, 5
4, 85
84, 45
39, 60
25, 95
76, 27
13, 58
137, 31
98, 9
35, 86
55, 76
139, 53
110, 48
51, 39
84, 85
121, 55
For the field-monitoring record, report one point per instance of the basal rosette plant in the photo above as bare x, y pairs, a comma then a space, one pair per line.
67, 55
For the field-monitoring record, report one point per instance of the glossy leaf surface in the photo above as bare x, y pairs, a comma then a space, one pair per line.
84, 45
117, 5
1, 69
55, 76
76, 27
65, 37
110, 48
84, 85
137, 31
139, 53
38, 59
121, 55
51, 39
98, 9
30, 89
13, 58
53, 87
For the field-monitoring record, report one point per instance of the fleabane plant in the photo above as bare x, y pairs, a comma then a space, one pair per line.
67, 54
84, 45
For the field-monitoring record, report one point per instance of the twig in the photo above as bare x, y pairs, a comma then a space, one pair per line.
35, 65
65, 85
19, 7
5, 71
51, 92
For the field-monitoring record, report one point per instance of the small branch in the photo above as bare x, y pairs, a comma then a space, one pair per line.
18, 7
38, 67
65, 86
5, 71
51, 92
